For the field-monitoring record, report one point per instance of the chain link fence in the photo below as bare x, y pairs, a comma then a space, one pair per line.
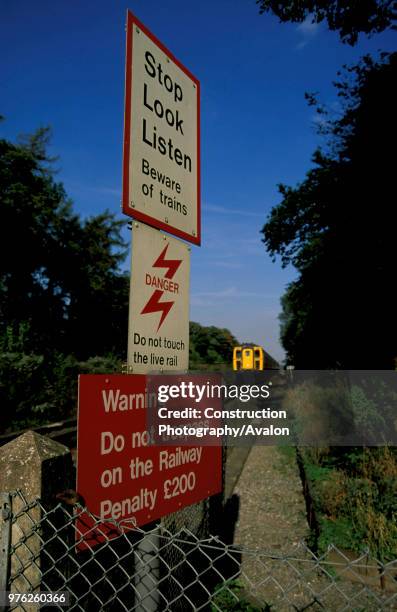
174, 566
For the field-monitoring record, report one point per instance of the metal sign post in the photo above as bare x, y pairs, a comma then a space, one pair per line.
161, 188
119, 474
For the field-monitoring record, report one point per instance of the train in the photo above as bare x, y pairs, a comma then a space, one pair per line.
248, 357
252, 357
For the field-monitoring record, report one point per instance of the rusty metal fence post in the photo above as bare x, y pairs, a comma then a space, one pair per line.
5, 541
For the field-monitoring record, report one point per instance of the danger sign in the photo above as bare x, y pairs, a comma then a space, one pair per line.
158, 333
119, 474
161, 167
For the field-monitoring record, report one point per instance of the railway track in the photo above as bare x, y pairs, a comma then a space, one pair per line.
64, 432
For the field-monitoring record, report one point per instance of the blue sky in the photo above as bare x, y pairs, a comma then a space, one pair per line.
63, 65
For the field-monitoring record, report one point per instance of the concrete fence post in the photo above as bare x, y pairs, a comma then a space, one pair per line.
40, 468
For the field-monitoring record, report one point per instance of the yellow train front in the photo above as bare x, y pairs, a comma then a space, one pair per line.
248, 357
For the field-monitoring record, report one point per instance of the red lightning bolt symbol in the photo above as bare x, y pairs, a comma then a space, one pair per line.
171, 264
154, 304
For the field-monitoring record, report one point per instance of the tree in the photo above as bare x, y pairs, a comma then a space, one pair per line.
210, 345
57, 273
349, 18
337, 228
63, 299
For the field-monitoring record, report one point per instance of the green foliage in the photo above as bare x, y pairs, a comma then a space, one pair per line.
21, 378
317, 473
210, 346
339, 532
361, 523
337, 228
100, 365
63, 299
346, 17
356, 502
366, 413
229, 596
57, 272
40, 388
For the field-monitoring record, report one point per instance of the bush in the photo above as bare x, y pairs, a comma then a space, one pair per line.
354, 492
41, 388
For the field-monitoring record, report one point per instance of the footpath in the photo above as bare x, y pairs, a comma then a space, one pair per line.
272, 520
272, 507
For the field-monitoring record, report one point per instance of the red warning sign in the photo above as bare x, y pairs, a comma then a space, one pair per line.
120, 474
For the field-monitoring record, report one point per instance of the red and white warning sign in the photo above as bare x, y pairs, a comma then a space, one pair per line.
120, 475
158, 331
161, 168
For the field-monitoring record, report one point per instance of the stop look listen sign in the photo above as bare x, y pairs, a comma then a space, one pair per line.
161, 166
